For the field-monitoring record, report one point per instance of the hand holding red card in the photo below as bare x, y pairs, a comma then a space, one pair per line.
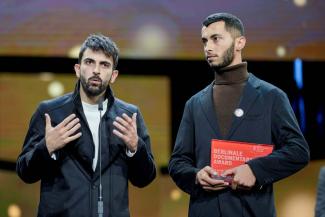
229, 154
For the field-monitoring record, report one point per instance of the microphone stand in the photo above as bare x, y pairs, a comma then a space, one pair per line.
100, 192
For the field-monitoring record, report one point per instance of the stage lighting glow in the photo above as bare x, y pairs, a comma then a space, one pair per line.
175, 194
46, 76
14, 210
151, 41
300, 3
55, 89
74, 52
281, 51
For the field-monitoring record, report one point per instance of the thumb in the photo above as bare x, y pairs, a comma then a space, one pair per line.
47, 121
229, 172
134, 117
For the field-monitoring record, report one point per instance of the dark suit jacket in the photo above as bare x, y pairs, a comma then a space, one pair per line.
268, 119
320, 202
69, 186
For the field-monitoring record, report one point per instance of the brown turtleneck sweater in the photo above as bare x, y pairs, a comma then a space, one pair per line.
227, 90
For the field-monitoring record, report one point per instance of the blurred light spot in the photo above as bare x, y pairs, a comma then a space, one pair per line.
175, 194
299, 204
153, 36
281, 51
14, 210
55, 89
302, 114
151, 40
320, 118
74, 52
46, 76
298, 73
300, 3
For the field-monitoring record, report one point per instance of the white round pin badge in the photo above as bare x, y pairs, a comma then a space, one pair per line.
239, 112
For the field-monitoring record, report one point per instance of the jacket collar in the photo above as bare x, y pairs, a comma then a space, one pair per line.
77, 99
247, 99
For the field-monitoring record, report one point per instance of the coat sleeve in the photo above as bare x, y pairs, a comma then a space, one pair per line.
182, 162
34, 159
142, 169
291, 149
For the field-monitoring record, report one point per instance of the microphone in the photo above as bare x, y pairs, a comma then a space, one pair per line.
100, 104
100, 192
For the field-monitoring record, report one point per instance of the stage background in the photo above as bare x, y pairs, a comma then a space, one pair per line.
162, 65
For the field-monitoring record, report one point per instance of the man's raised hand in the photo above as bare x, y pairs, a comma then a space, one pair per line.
57, 137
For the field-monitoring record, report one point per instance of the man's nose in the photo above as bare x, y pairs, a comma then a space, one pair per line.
97, 69
208, 46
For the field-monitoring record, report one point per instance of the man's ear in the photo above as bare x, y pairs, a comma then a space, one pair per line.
77, 70
240, 43
114, 76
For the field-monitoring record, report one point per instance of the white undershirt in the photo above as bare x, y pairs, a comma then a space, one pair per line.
92, 116
93, 119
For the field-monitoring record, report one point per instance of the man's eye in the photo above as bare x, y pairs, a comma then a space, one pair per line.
106, 65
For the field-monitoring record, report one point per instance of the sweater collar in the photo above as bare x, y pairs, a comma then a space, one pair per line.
232, 74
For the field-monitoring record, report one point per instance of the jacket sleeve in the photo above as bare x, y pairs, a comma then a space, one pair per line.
142, 169
34, 159
291, 149
182, 162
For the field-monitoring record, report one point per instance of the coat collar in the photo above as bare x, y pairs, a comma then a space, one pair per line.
77, 100
247, 99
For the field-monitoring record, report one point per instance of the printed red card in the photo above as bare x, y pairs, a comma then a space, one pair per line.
229, 154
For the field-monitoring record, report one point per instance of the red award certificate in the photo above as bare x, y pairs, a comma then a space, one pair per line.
229, 154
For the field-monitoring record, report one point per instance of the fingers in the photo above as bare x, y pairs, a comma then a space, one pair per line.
71, 138
229, 172
205, 177
72, 130
134, 118
67, 120
243, 178
210, 171
126, 129
72, 123
234, 185
215, 188
47, 121
127, 118
123, 121
63, 133
120, 135
125, 125
119, 126
207, 182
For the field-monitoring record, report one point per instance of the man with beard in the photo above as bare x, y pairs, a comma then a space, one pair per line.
236, 106
63, 148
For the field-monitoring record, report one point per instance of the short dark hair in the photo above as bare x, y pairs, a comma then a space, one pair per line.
98, 42
231, 22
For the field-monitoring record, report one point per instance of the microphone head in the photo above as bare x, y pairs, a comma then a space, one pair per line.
100, 104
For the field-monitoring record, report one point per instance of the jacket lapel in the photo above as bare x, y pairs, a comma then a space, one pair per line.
247, 100
112, 146
207, 105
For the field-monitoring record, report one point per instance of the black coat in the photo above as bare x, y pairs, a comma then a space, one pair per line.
268, 119
69, 186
